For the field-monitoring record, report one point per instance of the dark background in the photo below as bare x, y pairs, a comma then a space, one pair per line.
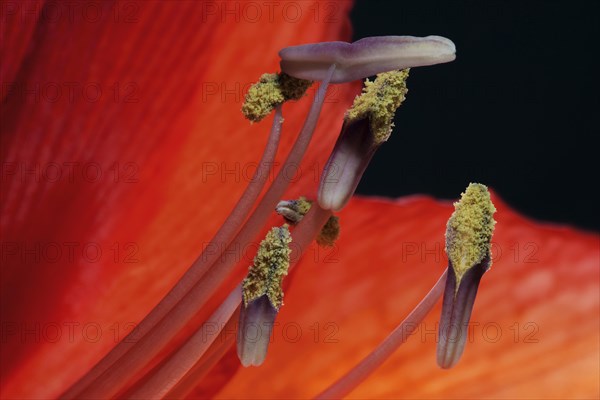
517, 110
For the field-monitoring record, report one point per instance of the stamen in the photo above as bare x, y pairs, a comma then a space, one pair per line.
367, 125
270, 266
259, 311
294, 210
254, 331
163, 379
468, 237
360, 372
269, 92
261, 292
366, 57
112, 375
194, 357
378, 102
329, 233
469, 230
224, 236
207, 361
307, 230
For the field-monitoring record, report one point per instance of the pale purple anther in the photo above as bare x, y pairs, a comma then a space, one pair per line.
365, 57
254, 331
348, 161
456, 312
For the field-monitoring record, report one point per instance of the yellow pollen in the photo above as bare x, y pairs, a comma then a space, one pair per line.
270, 265
294, 210
379, 101
270, 91
469, 230
329, 233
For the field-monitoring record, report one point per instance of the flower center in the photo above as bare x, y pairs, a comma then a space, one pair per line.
139, 366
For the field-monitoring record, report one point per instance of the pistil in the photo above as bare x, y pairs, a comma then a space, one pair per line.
262, 296
367, 125
468, 241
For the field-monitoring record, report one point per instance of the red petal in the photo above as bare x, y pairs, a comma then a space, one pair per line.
171, 77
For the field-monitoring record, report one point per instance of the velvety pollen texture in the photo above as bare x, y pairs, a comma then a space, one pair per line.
175, 153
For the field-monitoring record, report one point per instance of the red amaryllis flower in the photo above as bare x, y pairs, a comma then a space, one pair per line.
123, 150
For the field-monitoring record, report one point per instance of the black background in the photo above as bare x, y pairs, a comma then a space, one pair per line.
517, 110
